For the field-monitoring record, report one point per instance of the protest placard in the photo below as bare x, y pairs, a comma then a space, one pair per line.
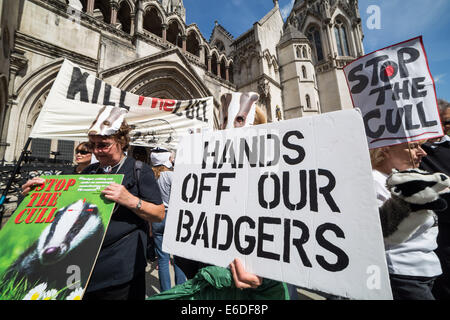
77, 96
51, 242
395, 91
294, 200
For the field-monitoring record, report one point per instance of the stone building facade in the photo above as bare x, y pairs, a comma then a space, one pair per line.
334, 31
146, 47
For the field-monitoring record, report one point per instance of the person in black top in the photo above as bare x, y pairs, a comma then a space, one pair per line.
119, 273
438, 160
120, 269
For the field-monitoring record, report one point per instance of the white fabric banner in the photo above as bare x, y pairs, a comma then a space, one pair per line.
77, 96
293, 200
395, 91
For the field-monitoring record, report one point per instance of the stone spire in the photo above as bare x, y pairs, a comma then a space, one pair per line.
176, 6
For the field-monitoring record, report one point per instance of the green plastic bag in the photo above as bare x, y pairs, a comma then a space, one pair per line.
216, 283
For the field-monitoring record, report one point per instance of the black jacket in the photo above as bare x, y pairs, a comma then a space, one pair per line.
123, 253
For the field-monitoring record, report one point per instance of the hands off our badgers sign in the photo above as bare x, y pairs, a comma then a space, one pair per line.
293, 200
395, 91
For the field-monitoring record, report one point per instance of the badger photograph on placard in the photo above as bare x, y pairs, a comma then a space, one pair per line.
61, 226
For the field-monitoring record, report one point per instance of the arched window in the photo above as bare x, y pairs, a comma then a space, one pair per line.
304, 53
308, 102
192, 44
222, 69
84, 5
174, 34
206, 53
152, 22
214, 64
313, 35
220, 46
104, 6
231, 72
124, 17
305, 76
298, 52
341, 38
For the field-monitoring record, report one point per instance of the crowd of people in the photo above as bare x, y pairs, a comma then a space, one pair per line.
416, 232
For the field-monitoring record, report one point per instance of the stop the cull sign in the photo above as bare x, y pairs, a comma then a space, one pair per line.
293, 200
395, 91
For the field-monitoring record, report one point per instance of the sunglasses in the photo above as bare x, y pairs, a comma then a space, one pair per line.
446, 123
83, 152
101, 145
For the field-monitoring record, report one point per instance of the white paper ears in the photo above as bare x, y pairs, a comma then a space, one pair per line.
108, 121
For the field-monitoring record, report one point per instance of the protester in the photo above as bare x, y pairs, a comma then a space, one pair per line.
119, 273
140, 153
409, 233
438, 160
83, 157
162, 162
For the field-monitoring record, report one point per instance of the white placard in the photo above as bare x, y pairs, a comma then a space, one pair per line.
77, 96
293, 200
395, 91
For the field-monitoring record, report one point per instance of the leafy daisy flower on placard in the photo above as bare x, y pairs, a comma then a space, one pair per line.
36, 293
75, 295
49, 295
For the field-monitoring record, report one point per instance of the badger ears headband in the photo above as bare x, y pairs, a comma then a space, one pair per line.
108, 121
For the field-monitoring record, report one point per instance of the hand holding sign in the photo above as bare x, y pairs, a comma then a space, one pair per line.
119, 194
243, 279
30, 184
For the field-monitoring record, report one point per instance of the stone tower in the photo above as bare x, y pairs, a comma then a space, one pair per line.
333, 28
297, 74
174, 6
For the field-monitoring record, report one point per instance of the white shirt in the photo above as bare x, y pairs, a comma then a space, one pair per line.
415, 256
165, 184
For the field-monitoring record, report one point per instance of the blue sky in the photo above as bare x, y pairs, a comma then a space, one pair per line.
399, 20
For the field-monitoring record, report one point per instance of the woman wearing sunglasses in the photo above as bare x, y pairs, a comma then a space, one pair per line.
119, 272
83, 157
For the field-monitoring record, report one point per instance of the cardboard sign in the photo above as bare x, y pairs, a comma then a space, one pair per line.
51, 242
395, 91
293, 200
77, 96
